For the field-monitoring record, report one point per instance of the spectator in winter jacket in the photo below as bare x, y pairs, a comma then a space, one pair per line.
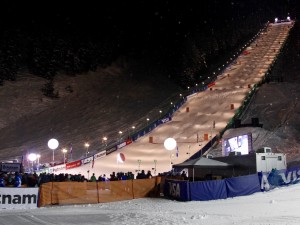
18, 180
93, 178
2, 181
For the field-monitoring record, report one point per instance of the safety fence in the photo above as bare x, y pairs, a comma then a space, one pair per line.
65, 193
230, 187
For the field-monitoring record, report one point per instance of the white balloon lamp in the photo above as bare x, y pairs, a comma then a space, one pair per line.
170, 144
53, 144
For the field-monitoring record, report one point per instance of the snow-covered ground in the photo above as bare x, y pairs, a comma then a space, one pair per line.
276, 207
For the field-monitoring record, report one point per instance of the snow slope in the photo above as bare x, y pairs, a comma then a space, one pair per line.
103, 105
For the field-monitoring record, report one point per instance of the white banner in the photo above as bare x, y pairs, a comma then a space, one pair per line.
18, 198
100, 155
10, 167
192, 95
87, 160
57, 168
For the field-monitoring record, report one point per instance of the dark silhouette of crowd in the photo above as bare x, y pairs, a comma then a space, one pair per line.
35, 180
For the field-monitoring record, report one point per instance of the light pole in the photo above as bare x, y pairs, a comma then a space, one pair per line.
139, 164
171, 157
155, 162
38, 156
189, 151
32, 158
133, 128
64, 152
120, 133
170, 144
104, 140
87, 145
53, 144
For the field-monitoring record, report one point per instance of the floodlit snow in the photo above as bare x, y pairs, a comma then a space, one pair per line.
277, 207
214, 104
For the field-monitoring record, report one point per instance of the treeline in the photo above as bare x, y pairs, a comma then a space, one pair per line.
184, 41
45, 55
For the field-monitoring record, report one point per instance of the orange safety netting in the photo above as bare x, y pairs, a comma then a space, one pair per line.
110, 191
64, 193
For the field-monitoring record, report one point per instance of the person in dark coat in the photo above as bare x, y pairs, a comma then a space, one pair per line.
2, 181
18, 180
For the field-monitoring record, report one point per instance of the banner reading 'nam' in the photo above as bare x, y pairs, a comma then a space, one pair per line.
18, 198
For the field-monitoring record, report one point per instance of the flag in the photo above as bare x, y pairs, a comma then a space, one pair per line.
93, 161
71, 152
177, 151
22, 163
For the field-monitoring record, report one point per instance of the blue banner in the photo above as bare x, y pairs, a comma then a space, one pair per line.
208, 190
243, 185
177, 189
277, 178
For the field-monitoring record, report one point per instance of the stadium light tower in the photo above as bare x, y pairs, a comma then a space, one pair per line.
38, 156
32, 158
64, 151
120, 133
87, 145
104, 140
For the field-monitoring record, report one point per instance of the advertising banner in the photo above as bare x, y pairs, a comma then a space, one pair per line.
177, 189
111, 150
99, 155
276, 178
57, 168
189, 96
123, 144
211, 84
10, 167
73, 164
165, 120
18, 198
87, 160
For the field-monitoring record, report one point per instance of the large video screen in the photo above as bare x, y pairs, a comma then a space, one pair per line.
239, 145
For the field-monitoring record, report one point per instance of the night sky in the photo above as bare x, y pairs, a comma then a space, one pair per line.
180, 38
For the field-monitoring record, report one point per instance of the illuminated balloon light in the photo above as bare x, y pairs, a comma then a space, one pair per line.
121, 157
32, 157
53, 144
170, 144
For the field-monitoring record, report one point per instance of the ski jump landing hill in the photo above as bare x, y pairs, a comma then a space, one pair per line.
201, 118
